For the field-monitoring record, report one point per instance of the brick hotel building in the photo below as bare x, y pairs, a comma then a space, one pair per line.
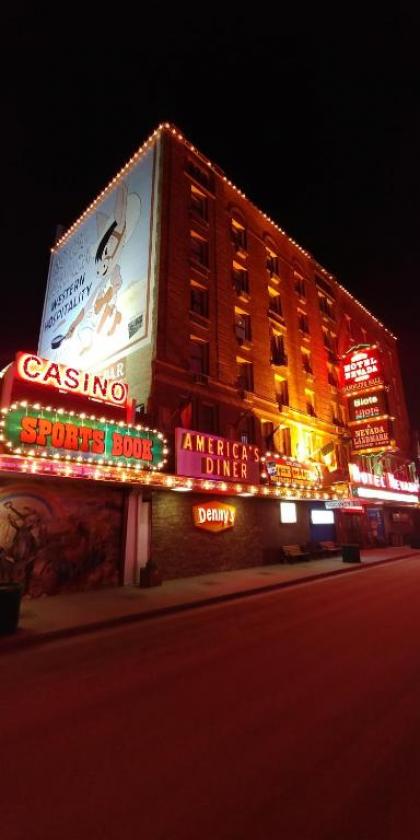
244, 333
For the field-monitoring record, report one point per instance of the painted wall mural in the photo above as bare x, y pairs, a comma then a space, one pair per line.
58, 537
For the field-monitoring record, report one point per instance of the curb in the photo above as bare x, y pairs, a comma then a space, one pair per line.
14, 642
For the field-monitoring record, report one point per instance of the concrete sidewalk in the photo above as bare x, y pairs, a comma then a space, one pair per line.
45, 619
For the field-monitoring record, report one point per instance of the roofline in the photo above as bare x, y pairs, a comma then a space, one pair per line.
175, 132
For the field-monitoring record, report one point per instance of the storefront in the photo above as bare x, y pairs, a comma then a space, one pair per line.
86, 499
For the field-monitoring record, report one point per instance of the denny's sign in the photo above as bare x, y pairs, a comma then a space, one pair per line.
55, 433
214, 516
206, 456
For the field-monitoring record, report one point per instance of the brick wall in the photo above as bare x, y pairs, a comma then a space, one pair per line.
180, 549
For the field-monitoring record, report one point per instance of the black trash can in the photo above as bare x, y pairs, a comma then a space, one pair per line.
150, 576
351, 553
10, 597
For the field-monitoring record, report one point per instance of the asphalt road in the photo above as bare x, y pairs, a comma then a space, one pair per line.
293, 715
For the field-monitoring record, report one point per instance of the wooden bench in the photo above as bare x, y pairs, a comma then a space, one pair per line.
329, 547
294, 552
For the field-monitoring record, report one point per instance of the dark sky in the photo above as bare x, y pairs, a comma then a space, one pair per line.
316, 118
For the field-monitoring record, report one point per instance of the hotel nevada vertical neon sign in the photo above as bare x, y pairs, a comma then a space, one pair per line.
32, 368
361, 369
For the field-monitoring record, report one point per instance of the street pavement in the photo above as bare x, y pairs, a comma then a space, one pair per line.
42, 619
291, 714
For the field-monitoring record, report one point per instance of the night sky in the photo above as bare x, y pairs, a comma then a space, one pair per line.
316, 120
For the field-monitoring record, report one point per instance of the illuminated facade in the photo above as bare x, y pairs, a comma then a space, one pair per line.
230, 392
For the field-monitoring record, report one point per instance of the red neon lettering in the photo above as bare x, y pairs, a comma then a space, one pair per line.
52, 372
86, 435
115, 388
98, 441
146, 449
116, 444
28, 433
58, 433
72, 437
127, 446
44, 429
101, 384
71, 379
25, 367
137, 442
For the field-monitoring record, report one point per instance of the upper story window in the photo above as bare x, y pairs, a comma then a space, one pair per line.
200, 174
199, 299
277, 347
245, 375
332, 376
274, 304
240, 279
349, 328
198, 203
272, 263
326, 306
300, 287
199, 249
330, 342
238, 234
310, 402
242, 326
282, 390
306, 360
199, 356
303, 322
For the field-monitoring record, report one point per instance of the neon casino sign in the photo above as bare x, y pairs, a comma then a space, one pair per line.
32, 368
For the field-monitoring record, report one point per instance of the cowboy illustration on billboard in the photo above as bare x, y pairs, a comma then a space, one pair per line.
100, 315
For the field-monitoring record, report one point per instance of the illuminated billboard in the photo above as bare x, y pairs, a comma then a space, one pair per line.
209, 456
367, 406
98, 308
371, 436
54, 433
360, 369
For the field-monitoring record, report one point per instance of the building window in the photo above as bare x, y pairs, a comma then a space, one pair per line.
240, 280
272, 263
285, 442
238, 234
310, 402
245, 375
306, 360
349, 328
199, 300
207, 418
282, 391
278, 354
303, 322
202, 176
326, 306
329, 340
274, 304
199, 203
246, 430
199, 356
332, 376
199, 249
334, 414
300, 286
242, 326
